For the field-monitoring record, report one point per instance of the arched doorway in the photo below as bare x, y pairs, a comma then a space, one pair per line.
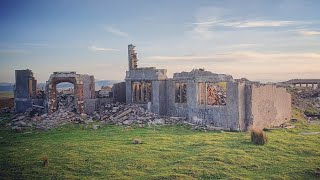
51, 90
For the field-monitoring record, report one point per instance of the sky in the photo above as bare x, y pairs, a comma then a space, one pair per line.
268, 41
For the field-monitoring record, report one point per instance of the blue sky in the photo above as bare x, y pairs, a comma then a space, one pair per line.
271, 40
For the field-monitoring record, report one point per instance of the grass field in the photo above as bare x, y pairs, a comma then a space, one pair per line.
174, 152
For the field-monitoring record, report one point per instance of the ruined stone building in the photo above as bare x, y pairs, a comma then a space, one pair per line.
201, 96
206, 98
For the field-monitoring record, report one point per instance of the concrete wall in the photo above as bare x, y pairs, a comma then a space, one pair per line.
158, 105
119, 92
24, 90
271, 106
87, 86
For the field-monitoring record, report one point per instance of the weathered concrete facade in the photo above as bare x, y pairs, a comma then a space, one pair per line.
207, 98
269, 106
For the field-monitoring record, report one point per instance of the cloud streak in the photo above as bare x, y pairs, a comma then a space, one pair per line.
309, 33
116, 31
100, 49
247, 23
243, 56
209, 21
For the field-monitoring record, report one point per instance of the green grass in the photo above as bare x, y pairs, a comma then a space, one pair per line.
172, 152
6, 94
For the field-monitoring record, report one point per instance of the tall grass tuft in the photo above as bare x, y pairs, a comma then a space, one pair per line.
258, 136
136, 141
45, 160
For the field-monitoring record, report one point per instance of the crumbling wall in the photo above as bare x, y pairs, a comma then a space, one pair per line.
271, 106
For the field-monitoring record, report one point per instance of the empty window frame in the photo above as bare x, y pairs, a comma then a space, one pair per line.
180, 92
212, 94
141, 91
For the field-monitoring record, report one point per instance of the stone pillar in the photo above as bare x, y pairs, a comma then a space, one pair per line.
312, 85
147, 91
142, 91
52, 98
79, 94
138, 89
133, 92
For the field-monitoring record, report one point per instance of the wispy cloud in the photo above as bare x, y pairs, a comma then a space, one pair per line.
205, 29
309, 33
246, 24
256, 24
13, 51
34, 44
242, 56
208, 22
95, 49
116, 31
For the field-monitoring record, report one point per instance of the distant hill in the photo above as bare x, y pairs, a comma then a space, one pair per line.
99, 83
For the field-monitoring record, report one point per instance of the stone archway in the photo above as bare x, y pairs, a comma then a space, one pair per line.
51, 90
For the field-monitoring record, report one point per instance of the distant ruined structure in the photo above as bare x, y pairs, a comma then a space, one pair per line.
207, 98
309, 83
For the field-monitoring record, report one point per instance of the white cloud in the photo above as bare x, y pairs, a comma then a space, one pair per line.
309, 33
95, 49
116, 31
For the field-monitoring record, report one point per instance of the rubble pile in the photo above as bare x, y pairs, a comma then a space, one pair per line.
116, 113
306, 99
67, 102
133, 114
31, 119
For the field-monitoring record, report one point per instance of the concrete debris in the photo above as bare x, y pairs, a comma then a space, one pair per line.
116, 113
